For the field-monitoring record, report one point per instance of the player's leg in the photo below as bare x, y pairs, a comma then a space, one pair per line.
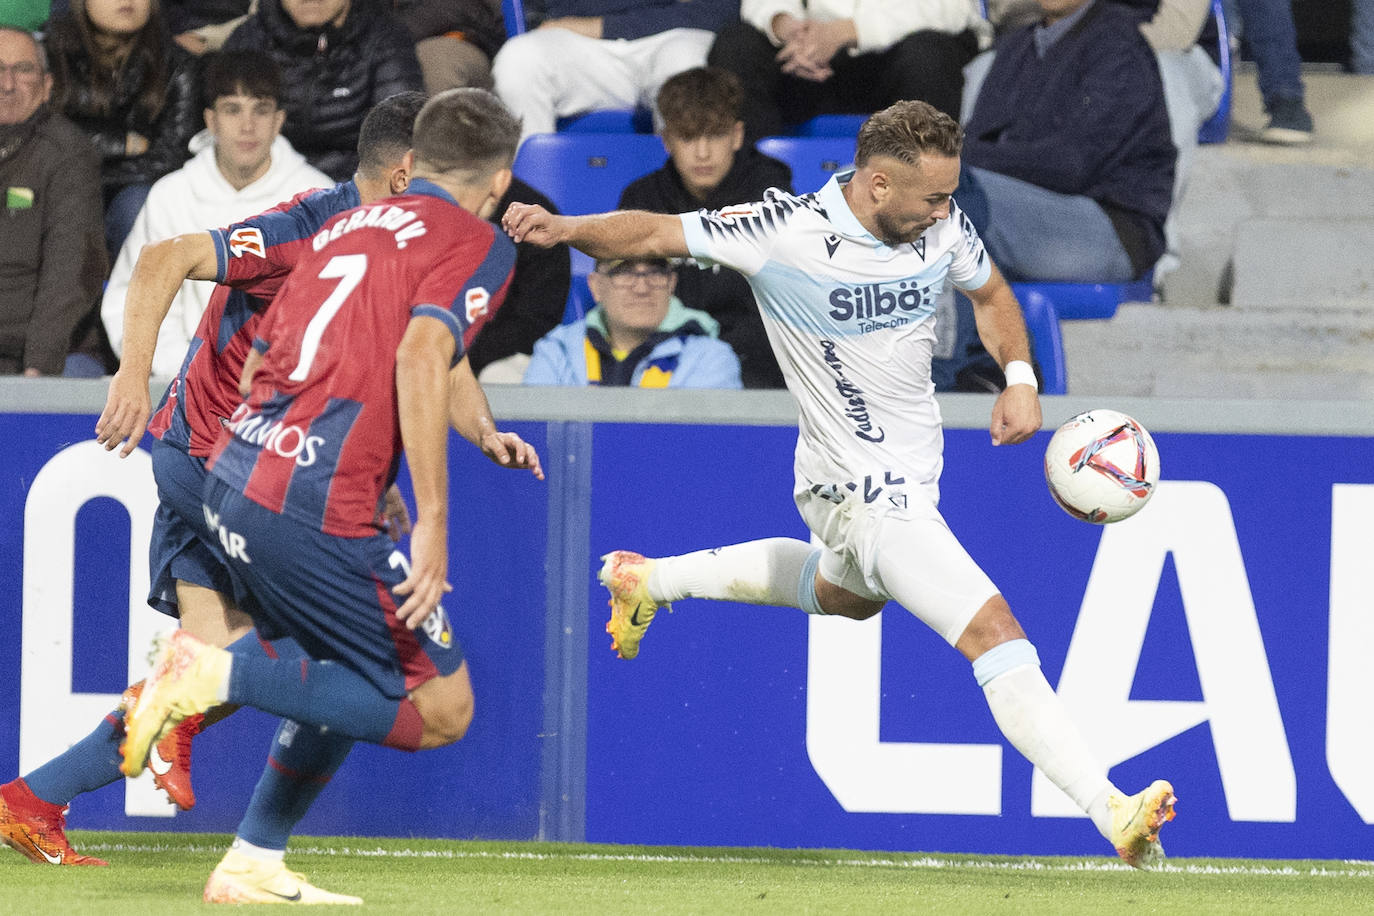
300, 764
919, 562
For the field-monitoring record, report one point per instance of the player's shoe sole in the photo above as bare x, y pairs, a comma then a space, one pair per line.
39, 837
243, 879
626, 576
185, 680
170, 759
1136, 820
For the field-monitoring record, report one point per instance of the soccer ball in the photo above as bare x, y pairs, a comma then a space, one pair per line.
1101, 466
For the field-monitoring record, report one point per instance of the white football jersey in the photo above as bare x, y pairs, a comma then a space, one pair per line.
852, 322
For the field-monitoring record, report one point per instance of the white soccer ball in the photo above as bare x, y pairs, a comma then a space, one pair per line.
1101, 466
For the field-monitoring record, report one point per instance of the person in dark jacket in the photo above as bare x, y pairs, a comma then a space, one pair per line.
52, 258
119, 77
535, 301
339, 58
710, 166
1069, 165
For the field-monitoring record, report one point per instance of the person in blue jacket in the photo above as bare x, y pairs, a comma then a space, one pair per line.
638, 335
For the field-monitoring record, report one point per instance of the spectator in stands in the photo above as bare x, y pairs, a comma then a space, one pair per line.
639, 335
1069, 167
588, 55
338, 59
242, 167
800, 59
534, 303
52, 259
709, 167
122, 80
1192, 81
1272, 38
455, 41
201, 26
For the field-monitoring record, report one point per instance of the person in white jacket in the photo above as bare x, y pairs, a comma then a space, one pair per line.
801, 59
242, 166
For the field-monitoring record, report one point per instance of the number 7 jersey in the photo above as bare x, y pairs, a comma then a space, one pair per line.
319, 438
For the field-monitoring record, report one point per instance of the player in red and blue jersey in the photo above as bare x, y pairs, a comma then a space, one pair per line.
251, 259
356, 356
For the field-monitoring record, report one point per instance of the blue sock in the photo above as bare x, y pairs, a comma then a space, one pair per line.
324, 693
301, 763
87, 765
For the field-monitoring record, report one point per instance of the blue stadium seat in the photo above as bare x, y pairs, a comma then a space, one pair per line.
585, 173
1086, 300
609, 121
513, 12
831, 125
1042, 322
813, 159
1215, 128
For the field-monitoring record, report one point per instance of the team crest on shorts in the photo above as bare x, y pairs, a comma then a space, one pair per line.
438, 629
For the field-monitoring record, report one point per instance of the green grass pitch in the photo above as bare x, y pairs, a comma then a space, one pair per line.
158, 873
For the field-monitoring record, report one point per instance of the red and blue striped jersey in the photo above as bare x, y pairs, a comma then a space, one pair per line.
319, 439
254, 257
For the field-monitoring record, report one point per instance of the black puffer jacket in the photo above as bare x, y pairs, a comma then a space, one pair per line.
168, 133
333, 76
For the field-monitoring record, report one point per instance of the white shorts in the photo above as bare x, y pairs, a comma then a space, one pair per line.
887, 541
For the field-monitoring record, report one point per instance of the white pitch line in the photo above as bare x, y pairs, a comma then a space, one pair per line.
1358, 869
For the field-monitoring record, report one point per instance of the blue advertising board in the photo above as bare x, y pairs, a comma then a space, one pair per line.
1218, 639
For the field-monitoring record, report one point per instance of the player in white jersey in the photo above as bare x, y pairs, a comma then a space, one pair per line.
846, 280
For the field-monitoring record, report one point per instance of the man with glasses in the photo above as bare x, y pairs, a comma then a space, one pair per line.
638, 335
52, 253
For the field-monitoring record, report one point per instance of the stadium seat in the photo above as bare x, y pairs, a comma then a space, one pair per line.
813, 159
1087, 300
513, 13
1215, 128
831, 125
1042, 322
609, 121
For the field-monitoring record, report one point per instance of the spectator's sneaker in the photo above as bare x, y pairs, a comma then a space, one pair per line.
243, 879
36, 828
170, 759
626, 576
1136, 820
1290, 123
186, 679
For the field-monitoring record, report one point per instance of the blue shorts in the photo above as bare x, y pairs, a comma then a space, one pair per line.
177, 549
332, 594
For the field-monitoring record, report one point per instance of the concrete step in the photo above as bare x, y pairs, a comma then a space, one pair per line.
1322, 264
1223, 352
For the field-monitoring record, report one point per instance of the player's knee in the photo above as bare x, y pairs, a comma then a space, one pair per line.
990, 627
837, 601
446, 707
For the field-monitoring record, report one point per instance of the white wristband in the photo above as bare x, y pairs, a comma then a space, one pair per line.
1019, 372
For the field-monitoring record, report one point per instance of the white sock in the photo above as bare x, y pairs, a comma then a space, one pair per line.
1033, 719
767, 571
243, 847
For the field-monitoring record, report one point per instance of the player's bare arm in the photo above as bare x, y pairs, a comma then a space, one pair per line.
421, 396
470, 416
1016, 414
158, 274
618, 234
250, 368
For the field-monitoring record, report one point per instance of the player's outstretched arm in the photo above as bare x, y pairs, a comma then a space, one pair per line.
619, 234
421, 397
1016, 414
157, 276
470, 415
